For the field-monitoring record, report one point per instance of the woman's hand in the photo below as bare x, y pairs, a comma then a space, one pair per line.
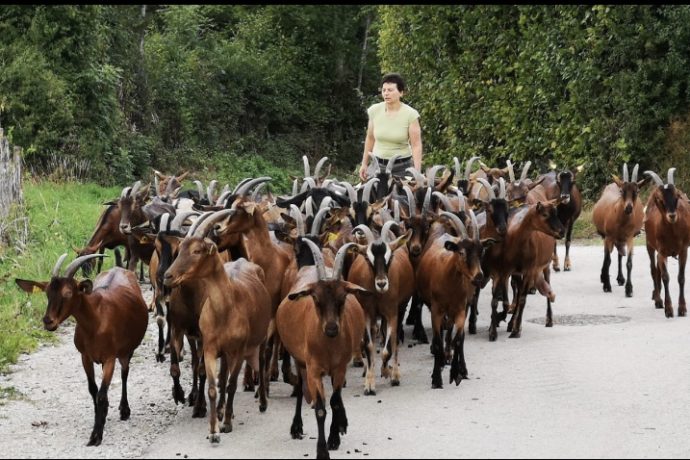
363, 172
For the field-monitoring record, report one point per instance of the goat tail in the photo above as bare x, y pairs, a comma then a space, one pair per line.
118, 258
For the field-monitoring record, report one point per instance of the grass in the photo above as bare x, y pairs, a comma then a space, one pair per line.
61, 217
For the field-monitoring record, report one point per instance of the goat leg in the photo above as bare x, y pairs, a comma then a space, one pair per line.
124, 374
296, 429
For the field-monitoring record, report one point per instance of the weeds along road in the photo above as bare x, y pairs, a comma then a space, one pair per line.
610, 379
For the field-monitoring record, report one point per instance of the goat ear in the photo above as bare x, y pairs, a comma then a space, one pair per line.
488, 242
516, 203
352, 288
477, 203
111, 203
173, 241
535, 183
86, 286
210, 246
540, 206
646, 181
401, 240
298, 294
31, 286
618, 181
451, 246
284, 237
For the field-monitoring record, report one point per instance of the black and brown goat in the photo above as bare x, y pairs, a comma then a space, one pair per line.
232, 319
321, 324
618, 216
111, 317
667, 227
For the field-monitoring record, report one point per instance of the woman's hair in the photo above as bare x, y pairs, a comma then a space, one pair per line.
394, 78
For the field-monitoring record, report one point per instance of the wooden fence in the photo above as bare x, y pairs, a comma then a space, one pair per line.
13, 222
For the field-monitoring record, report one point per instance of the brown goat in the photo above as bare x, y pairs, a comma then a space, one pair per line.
321, 324
667, 227
233, 319
106, 235
618, 216
111, 317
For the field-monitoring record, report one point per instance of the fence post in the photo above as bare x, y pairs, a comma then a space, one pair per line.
13, 222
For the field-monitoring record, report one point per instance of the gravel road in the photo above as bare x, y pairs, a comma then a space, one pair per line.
609, 380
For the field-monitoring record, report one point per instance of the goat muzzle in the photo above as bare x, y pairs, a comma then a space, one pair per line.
478, 279
382, 285
126, 229
628, 209
672, 217
50, 324
331, 329
565, 198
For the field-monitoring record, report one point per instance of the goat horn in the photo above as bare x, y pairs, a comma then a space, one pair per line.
163, 224
369, 235
223, 197
297, 215
125, 192
461, 199
56, 269
196, 223
350, 192
396, 211
155, 185
525, 168
489, 189
655, 177
240, 184
387, 229
309, 206
318, 167
295, 187
339, 262
468, 168
305, 160
418, 177
670, 176
257, 191
456, 163
159, 174
179, 219
444, 200
135, 189
318, 258
308, 183
211, 190
475, 225
318, 220
457, 223
326, 203
199, 189
634, 173
501, 188
427, 201
242, 191
78, 262
366, 195
410, 200
432, 172
626, 178
511, 171
391, 163
202, 230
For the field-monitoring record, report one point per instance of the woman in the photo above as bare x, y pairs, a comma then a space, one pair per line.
393, 129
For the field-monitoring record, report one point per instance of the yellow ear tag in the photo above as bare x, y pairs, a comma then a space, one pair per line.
332, 237
37, 289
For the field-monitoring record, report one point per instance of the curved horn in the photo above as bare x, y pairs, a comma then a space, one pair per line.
489, 189
410, 200
305, 160
391, 163
367, 189
295, 187
196, 223
318, 221
211, 190
125, 192
326, 203
252, 183
461, 200
78, 262
626, 178
444, 200
634, 173
431, 174
418, 177
350, 191
240, 184
427, 201
309, 206
56, 268
318, 258
525, 168
199, 189
257, 191
224, 196
135, 188
369, 235
655, 177
511, 171
501, 188
456, 163
340, 261
670, 176
308, 183
468, 168
457, 223
159, 174
475, 225
155, 185
318, 167
396, 211
176, 225
297, 215
386, 229
202, 230
163, 225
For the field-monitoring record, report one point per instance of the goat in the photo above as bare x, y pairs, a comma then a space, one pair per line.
233, 318
111, 317
106, 235
321, 324
130, 203
384, 268
618, 216
667, 227
447, 275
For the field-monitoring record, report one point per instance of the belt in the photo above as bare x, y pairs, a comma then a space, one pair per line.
399, 160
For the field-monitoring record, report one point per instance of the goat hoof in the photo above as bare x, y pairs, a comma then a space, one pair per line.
436, 385
557, 269
178, 395
250, 387
322, 452
368, 392
333, 442
472, 329
607, 288
515, 335
669, 312
357, 363
199, 412
226, 428
549, 323
621, 281
396, 382
95, 439
493, 336
658, 304
125, 413
566, 269
160, 357
214, 438
296, 431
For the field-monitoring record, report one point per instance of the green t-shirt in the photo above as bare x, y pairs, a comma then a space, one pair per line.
391, 134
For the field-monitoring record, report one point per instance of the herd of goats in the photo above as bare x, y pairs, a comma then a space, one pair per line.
249, 277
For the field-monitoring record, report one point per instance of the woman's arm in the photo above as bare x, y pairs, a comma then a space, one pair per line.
415, 133
368, 147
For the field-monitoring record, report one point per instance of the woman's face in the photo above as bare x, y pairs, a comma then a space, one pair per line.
390, 92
